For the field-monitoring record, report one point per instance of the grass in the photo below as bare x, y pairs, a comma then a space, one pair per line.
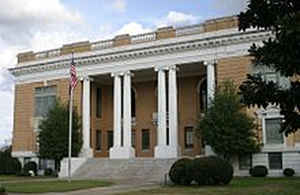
239, 186
53, 186
4, 178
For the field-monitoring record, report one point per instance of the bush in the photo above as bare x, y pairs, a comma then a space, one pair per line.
8, 164
259, 171
30, 166
211, 170
2, 189
289, 172
180, 172
48, 172
22, 174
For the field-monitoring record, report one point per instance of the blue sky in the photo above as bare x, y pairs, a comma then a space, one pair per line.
45, 24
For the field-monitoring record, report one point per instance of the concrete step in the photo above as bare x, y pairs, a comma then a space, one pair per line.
148, 169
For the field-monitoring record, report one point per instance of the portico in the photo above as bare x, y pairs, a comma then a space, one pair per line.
167, 80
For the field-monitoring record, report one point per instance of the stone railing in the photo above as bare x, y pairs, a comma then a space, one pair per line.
47, 54
190, 30
102, 44
143, 37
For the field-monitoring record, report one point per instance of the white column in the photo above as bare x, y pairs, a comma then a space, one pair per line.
162, 150
86, 149
211, 82
173, 111
162, 113
117, 111
126, 151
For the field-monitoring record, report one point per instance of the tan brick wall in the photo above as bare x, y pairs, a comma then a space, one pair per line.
24, 138
165, 33
122, 40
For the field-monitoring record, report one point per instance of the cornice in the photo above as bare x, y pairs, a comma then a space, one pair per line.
160, 47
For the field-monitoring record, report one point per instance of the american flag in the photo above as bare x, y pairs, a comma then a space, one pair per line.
73, 77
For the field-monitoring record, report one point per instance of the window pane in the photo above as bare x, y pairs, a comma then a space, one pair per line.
245, 162
98, 140
168, 136
188, 137
145, 139
110, 139
275, 160
272, 131
99, 103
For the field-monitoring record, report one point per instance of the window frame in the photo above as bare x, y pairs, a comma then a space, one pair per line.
186, 145
268, 145
98, 146
142, 140
251, 162
269, 162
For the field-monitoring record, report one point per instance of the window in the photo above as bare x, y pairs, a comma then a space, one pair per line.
44, 100
188, 137
203, 96
272, 128
275, 160
133, 138
110, 139
145, 139
98, 140
245, 162
99, 103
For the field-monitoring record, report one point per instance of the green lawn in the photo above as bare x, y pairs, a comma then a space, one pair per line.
239, 186
4, 178
53, 186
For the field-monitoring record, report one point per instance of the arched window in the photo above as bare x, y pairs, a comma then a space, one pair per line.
202, 95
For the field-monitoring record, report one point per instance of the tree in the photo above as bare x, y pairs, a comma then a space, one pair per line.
226, 127
281, 53
54, 134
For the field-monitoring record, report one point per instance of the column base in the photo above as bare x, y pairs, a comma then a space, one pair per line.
86, 153
121, 153
166, 152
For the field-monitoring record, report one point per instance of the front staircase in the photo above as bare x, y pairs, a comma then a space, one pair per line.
146, 169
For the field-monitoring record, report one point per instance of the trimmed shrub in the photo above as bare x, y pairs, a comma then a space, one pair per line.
48, 172
289, 172
259, 171
30, 166
180, 172
8, 164
2, 189
211, 170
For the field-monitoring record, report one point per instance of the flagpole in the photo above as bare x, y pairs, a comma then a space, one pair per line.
70, 130
70, 134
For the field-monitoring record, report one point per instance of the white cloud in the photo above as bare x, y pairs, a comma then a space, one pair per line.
133, 28
119, 5
175, 18
30, 25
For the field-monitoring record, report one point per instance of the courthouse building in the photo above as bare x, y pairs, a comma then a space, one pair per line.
140, 96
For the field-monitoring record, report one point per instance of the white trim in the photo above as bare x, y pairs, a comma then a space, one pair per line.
18, 154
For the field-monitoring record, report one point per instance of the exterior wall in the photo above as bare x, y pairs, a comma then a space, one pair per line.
24, 137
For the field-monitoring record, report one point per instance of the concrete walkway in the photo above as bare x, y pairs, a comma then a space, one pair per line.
119, 187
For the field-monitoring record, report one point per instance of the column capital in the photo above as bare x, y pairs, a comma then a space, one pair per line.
173, 67
210, 62
86, 78
122, 73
